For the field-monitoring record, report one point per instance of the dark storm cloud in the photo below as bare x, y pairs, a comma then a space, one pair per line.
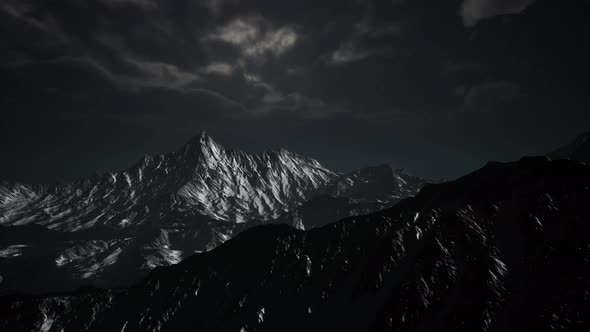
89, 75
216, 46
298, 104
473, 11
145, 4
141, 44
358, 46
347, 56
255, 37
94, 34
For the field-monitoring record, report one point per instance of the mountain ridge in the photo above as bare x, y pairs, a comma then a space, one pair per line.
200, 153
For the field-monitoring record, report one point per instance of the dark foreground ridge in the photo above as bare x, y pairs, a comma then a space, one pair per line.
506, 248
578, 150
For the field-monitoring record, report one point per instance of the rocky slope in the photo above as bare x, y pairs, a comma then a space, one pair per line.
505, 248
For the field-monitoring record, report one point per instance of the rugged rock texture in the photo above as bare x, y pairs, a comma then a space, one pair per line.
200, 178
504, 248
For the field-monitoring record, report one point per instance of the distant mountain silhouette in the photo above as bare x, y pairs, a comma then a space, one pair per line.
578, 150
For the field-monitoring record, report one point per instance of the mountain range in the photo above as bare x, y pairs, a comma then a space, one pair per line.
112, 229
504, 248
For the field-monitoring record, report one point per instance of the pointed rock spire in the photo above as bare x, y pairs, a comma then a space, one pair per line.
201, 140
203, 137
205, 140
204, 146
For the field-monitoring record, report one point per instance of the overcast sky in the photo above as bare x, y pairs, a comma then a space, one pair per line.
436, 87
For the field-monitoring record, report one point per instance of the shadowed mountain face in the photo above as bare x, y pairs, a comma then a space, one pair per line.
380, 183
360, 192
112, 229
578, 150
503, 248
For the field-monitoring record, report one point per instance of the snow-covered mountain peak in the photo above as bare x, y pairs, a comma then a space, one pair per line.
202, 178
204, 139
203, 135
201, 143
236, 186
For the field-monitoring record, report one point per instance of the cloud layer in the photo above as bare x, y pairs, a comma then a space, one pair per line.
88, 75
472, 11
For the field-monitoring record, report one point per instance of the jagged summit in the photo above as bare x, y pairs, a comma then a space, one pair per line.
200, 142
205, 139
203, 135
203, 146
203, 177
